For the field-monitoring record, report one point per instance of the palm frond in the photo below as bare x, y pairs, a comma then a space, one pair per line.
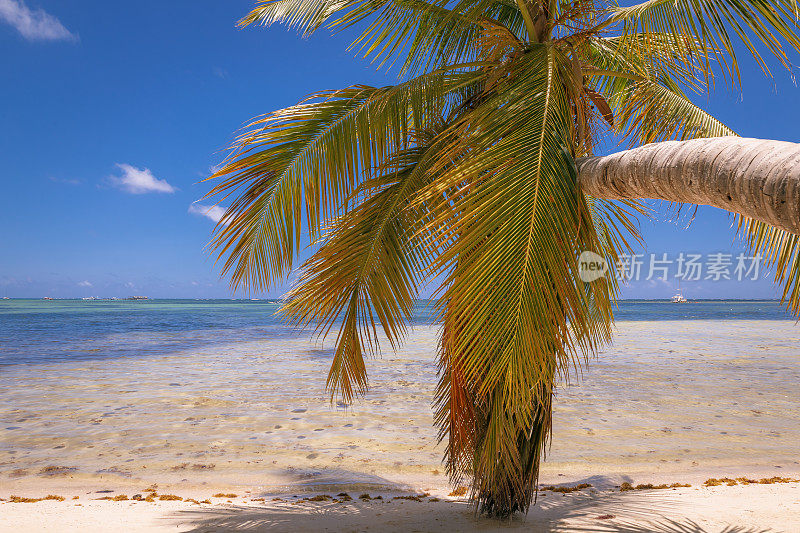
647, 56
308, 159
707, 27
779, 249
307, 16
425, 34
366, 271
650, 111
518, 312
422, 35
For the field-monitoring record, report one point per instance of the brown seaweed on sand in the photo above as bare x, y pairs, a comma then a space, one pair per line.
22, 499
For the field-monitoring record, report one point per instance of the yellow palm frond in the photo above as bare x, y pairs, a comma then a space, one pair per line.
707, 27
427, 34
366, 270
517, 312
779, 249
650, 111
308, 159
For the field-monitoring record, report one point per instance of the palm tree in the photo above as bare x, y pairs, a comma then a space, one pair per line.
475, 172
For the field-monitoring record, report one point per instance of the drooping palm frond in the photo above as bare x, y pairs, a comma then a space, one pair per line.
308, 159
617, 226
706, 27
644, 56
366, 270
455, 406
780, 249
517, 311
647, 101
651, 111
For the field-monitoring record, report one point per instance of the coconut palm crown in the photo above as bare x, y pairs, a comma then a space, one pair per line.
465, 174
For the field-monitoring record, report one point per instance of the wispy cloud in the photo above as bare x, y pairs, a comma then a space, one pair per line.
65, 181
84, 283
212, 169
34, 24
212, 212
139, 180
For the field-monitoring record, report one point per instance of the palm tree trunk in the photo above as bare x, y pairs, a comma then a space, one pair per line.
757, 178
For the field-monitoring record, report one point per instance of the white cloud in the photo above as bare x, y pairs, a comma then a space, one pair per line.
84, 284
34, 25
139, 180
213, 212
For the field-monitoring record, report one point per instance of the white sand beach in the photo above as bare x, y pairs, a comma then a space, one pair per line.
724, 509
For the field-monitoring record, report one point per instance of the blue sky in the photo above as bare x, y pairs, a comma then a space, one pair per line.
112, 113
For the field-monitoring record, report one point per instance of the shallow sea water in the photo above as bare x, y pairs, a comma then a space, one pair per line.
221, 393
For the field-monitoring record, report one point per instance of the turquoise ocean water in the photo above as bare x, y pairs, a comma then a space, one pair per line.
35, 331
211, 393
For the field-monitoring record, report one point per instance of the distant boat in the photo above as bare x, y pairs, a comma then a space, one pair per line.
678, 298
46, 298
6, 298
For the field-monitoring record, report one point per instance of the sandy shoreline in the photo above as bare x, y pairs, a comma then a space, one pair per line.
667, 398
698, 509
670, 402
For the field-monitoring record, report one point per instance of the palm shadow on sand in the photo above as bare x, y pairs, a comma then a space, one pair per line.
599, 512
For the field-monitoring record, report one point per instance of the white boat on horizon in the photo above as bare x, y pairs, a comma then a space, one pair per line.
678, 298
